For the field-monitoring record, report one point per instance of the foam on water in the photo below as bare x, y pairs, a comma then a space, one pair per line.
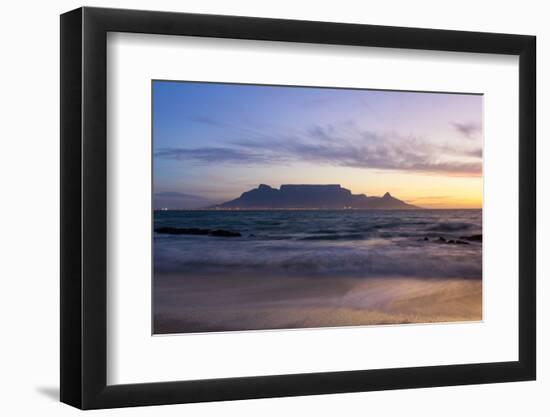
326, 242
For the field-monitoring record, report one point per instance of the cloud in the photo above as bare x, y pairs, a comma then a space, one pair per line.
321, 132
476, 153
179, 200
205, 120
343, 145
467, 129
317, 102
385, 155
174, 194
211, 155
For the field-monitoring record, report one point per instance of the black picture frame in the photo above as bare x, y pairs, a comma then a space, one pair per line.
84, 207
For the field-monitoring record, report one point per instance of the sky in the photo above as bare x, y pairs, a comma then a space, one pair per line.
213, 141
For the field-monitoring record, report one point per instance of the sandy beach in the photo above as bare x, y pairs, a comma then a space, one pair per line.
185, 304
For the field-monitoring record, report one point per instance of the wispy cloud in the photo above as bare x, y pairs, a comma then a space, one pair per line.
179, 200
205, 120
343, 145
210, 155
174, 194
468, 130
317, 102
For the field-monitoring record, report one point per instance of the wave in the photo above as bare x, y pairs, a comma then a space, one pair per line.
321, 258
350, 236
378, 244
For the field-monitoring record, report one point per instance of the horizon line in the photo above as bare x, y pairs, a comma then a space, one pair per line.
314, 209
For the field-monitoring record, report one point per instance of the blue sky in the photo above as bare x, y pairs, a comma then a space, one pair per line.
212, 141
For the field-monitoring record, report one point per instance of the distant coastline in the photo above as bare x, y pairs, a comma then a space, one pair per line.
313, 209
304, 197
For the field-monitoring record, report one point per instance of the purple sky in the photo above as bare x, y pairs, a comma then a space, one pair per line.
213, 141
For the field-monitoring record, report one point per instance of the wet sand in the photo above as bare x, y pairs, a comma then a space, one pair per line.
209, 304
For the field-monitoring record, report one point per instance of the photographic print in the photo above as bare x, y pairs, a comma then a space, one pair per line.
288, 207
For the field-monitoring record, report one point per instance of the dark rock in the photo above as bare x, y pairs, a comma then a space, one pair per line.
182, 231
196, 231
461, 242
440, 240
473, 238
426, 238
457, 242
224, 233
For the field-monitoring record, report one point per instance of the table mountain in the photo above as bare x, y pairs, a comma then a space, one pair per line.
307, 196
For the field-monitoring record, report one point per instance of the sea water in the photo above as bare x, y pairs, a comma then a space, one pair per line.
334, 243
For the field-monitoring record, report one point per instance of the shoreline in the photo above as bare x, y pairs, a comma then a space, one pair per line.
195, 304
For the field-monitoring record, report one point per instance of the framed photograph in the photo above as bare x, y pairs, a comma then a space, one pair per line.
258, 208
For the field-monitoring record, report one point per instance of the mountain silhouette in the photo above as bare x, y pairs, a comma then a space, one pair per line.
308, 196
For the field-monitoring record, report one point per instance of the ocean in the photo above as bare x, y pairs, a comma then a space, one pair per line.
322, 243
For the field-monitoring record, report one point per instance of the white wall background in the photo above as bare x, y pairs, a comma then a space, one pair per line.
29, 175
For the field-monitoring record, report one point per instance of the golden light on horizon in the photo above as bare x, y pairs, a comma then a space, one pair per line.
423, 190
427, 190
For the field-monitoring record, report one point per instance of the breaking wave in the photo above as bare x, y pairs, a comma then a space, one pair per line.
366, 244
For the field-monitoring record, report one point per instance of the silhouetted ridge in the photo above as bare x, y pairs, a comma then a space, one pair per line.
311, 196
